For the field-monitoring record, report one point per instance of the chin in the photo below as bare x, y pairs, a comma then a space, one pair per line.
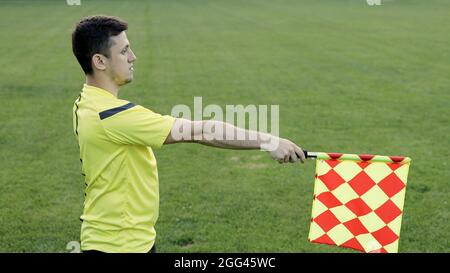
125, 81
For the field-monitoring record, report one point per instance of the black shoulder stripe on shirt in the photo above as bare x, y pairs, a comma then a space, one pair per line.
113, 111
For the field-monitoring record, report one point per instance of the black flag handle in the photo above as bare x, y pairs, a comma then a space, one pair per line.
309, 154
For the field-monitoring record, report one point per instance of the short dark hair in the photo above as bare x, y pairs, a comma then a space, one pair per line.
92, 35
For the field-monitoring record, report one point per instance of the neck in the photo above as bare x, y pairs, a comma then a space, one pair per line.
99, 82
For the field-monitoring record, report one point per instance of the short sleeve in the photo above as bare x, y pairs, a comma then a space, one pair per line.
136, 125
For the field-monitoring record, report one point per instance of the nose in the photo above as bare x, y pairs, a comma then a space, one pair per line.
132, 57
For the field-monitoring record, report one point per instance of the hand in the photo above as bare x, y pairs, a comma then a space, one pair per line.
287, 151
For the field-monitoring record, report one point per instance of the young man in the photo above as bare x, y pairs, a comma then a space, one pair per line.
116, 138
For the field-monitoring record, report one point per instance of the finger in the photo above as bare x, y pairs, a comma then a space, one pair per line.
278, 159
300, 153
293, 157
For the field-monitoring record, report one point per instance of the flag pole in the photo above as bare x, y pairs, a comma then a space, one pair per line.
312, 155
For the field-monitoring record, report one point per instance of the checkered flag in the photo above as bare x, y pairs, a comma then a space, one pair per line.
358, 201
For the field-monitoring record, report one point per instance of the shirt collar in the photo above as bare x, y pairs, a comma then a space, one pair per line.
97, 90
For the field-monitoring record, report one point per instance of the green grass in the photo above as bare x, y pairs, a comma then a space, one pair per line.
348, 78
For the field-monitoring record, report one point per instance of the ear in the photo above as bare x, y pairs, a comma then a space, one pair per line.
99, 62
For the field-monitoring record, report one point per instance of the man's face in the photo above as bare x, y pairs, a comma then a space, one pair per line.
120, 62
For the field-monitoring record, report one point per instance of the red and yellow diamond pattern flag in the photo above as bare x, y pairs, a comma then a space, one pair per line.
358, 201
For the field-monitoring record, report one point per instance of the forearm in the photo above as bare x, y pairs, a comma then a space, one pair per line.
225, 135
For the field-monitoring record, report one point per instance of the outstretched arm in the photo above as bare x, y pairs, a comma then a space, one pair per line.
224, 135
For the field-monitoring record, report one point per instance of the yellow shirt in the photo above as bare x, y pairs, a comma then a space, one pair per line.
116, 138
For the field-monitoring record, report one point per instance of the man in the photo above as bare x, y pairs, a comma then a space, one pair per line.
116, 138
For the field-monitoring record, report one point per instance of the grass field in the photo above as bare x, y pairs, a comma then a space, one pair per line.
348, 78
